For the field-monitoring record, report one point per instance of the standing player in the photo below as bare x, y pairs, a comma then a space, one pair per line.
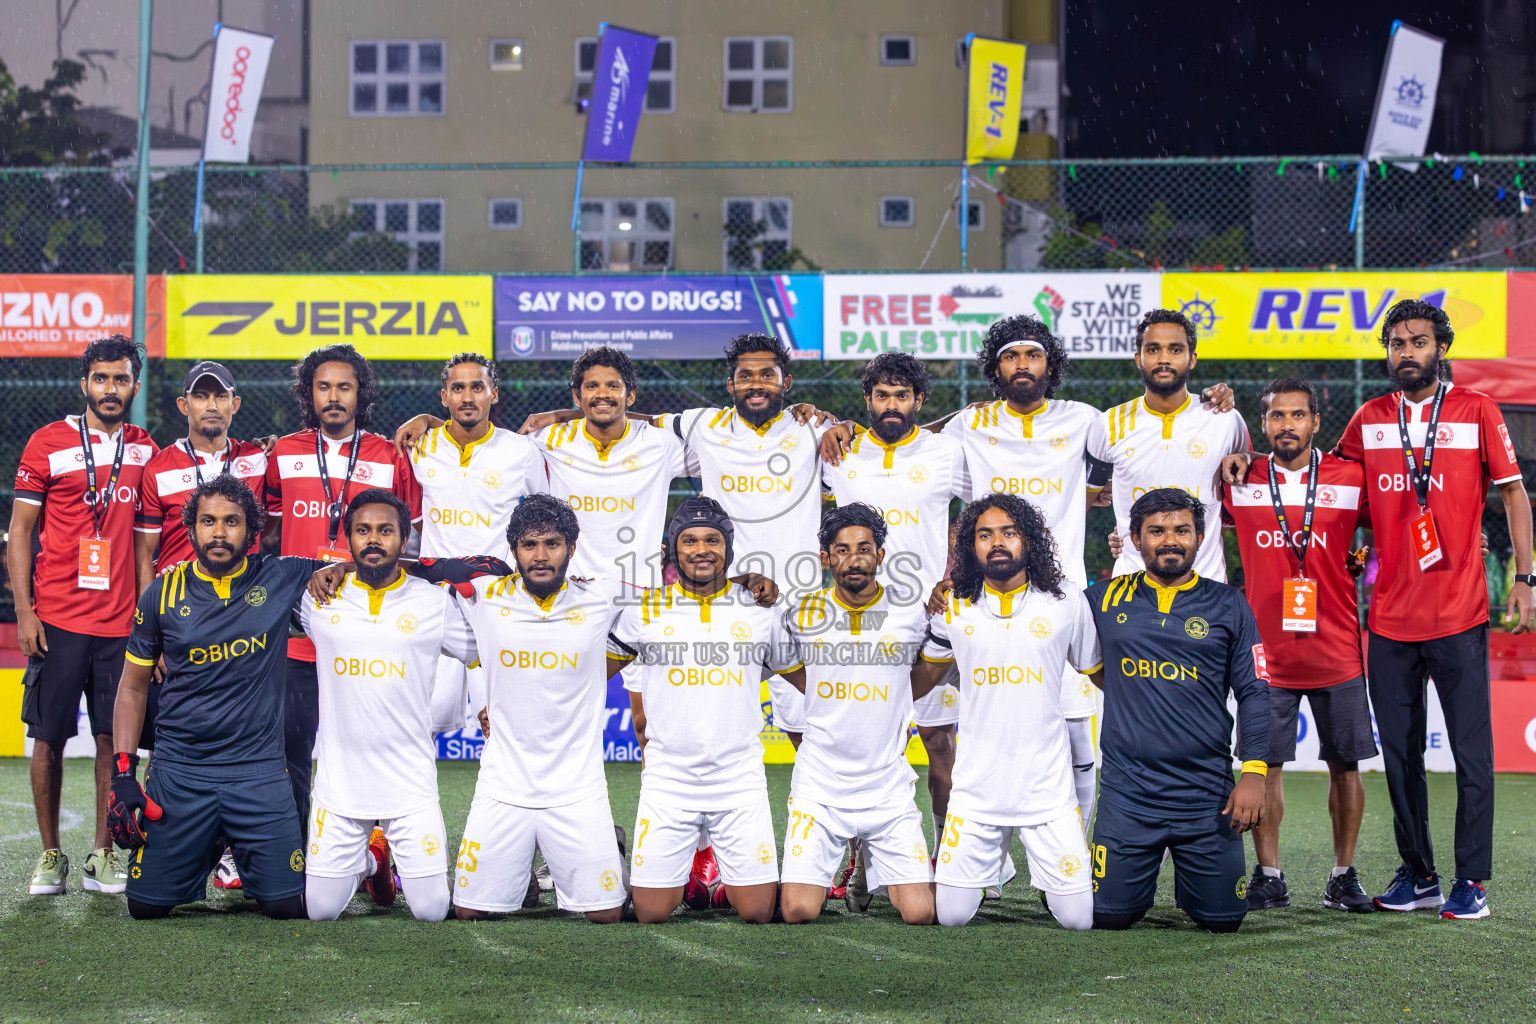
1295, 519
311, 474
701, 645
78, 483
1429, 453
1164, 439
1013, 772
209, 402
851, 779
1175, 644
219, 622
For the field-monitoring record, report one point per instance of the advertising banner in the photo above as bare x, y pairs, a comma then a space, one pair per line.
995, 90
234, 91
946, 316
670, 317
59, 314
619, 82
1405, 97
239, 316
1331, 315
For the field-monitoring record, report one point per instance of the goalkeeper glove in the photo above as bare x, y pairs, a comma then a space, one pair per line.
126, 802
460, 573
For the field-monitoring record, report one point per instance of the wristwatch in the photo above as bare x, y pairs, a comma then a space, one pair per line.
1529, 579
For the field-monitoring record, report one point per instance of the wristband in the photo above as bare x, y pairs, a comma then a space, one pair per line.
1529, 579
1258, 768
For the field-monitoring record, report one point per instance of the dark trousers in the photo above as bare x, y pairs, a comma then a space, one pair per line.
1398, 671
301, 717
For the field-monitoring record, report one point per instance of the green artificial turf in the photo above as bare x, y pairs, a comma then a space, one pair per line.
79, 956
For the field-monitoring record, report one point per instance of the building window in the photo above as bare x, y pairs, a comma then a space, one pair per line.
977, 220
626, 234
416, 222
759, 74
757, 232
507, 54
898, 50
504, 214
897, 212
660, 94
397, 78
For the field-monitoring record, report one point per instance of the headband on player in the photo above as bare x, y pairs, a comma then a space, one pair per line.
700, 511
1021, 343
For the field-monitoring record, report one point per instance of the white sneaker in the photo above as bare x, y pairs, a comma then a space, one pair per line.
226, 875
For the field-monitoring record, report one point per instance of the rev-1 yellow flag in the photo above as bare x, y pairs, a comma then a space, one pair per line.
992, 105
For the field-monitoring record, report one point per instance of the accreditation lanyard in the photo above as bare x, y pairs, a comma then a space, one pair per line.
96, 550
229, 455
335, 503
1421, 530
1298, 608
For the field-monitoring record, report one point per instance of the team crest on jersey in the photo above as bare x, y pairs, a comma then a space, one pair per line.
608, 881
632, 463
1242, 888
950, 698
1040, 628
1196, 448
764, 853
918, 853
1069, 865
429, 844
575, 616
296, 861
1197, 628
1445, 435
740, 631
887, 647
492, 479
406, 624
1327, 497
1084, 685
244, 467
918, 474
789, 444
256, 597
1059, 442
364, 473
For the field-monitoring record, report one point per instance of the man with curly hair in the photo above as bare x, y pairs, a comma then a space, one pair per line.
1010, 624
311, 475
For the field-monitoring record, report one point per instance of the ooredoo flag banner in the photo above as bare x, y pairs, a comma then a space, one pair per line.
234, 91
996, 87
1405, 99
619, 83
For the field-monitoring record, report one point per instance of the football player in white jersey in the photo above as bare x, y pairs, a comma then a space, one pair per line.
1164, 439
1010, 624
851, 779
700, 646
377, 645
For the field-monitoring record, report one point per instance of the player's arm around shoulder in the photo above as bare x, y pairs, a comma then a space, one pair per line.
935, 655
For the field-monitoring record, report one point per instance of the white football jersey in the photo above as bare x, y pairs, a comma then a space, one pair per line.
619, 492
376, 655
858, 690
546, 681
700, 662
1182, 449
769, 483
1013, 762
468, 493
1040, 457
911, 482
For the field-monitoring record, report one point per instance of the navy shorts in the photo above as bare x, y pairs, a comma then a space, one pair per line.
1210, 872
254, 814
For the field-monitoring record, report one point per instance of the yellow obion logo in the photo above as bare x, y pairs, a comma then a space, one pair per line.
284, 317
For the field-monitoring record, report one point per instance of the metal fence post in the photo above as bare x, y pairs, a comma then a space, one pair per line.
1360, 264
138, 411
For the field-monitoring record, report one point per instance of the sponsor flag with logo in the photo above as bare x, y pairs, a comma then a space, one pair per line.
1405, 98
619, 83
996, 88
234, 91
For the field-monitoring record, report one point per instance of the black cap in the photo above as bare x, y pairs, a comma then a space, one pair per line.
208, 368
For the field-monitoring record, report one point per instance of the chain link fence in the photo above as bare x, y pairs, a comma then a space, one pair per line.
1268, 212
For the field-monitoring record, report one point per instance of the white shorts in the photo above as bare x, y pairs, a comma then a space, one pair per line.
449, 709
1079, 697
338, 845
938, 707
788, 704
666, 838
817, 841
496, 855
972, 853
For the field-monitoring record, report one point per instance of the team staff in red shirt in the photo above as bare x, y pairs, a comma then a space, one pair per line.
307, 493
1429, 453
1296, 518
209, 402
78, 482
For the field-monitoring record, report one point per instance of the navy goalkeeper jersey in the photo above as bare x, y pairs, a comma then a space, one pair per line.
1170, 656
225, 644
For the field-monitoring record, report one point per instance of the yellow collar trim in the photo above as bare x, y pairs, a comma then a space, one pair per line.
222, 584
703, 599
890, 449
761, 431
467, 449
376, 595
1005, 600
1027, 419
547, 603
604, 447
1165, 595
1167, 417
856, 612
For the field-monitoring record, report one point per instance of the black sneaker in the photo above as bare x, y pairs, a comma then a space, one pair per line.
1344, 893
1266, 892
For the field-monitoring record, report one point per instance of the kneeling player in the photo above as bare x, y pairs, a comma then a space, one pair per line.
221, 623
377, 644
701, 645
1012, 624
851, 778
1174, 644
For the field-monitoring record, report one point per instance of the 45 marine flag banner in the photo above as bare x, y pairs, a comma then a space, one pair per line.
995, 91
239, 316
619, 83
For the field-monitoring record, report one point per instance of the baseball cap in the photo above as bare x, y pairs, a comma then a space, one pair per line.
208, 368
